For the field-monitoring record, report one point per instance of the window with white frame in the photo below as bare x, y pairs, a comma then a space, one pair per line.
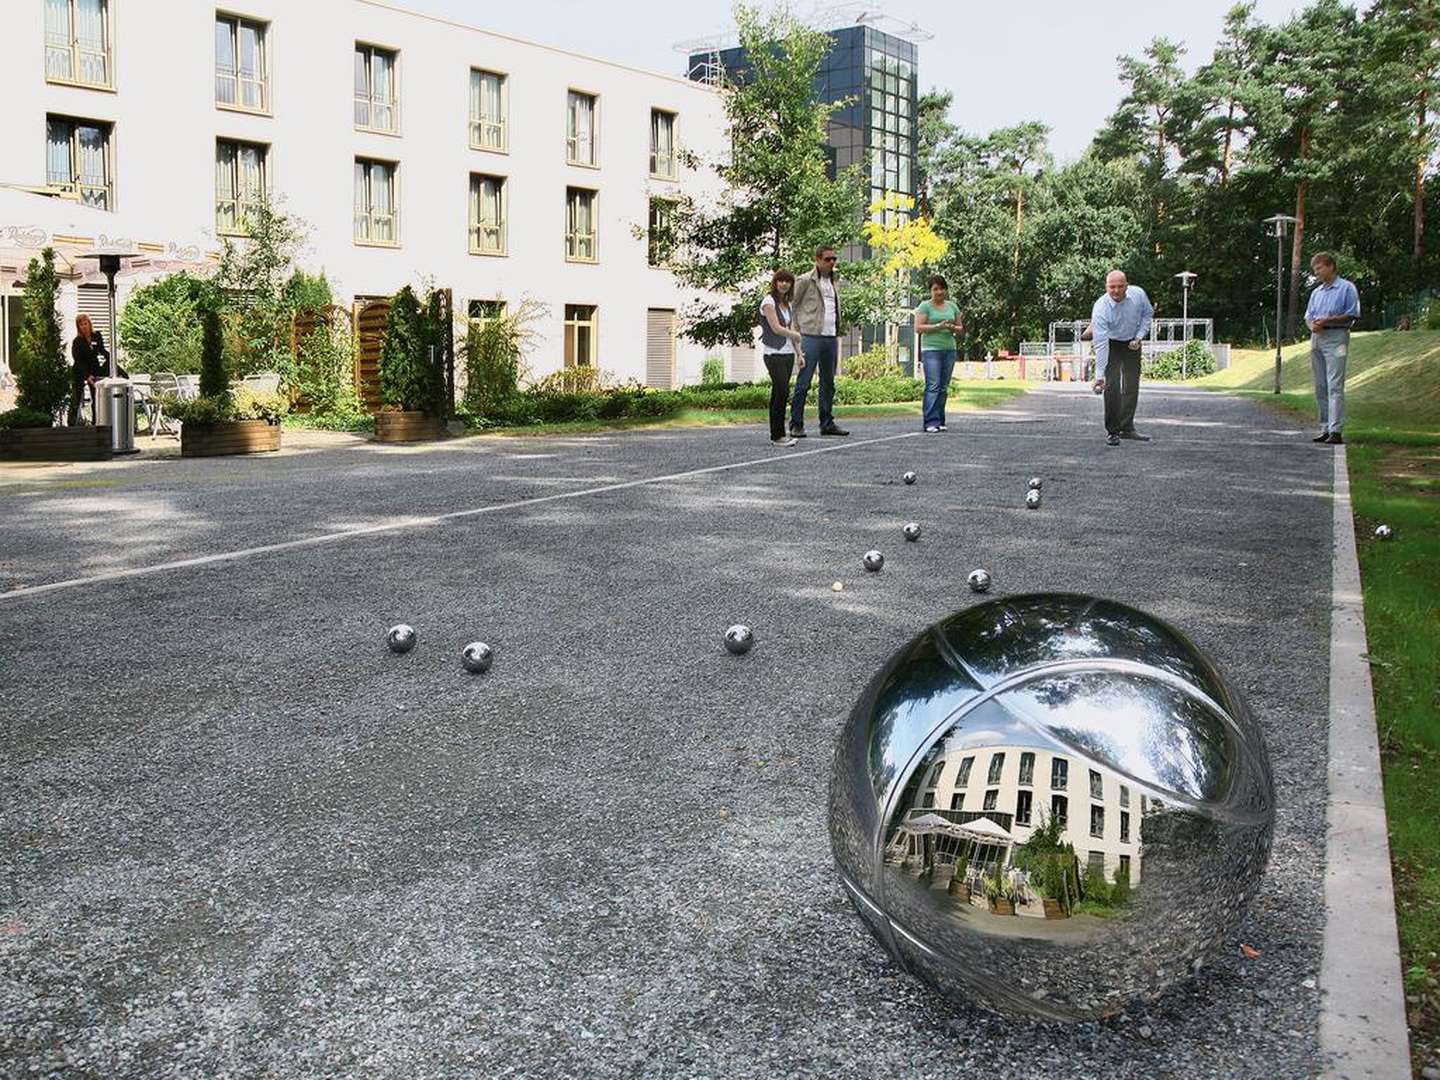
1060, 809
579, 335
662, 145
1027, 768
963, 776
77, 41
997, 765
377, 96
487, 215
935, 770
484, 312
661, 234
242, 73
1124, 795
1024, 802
1124, 826
581, 144
957, 801
489, 106
1097, 785
1097, 821
1059, 774
377, 217
77, 160
992, 799
580, 230
241, 183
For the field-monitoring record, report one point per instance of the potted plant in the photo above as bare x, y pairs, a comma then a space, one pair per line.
959, 886
219, 423
28, 432
1000, 895
412, 379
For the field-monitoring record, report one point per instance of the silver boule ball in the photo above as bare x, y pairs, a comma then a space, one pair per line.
477, 657
912, 530
1066, 711
739, 639
1383, 532
979, 581
1032, 499
909, 478
1036, 483
400, 638
874, 561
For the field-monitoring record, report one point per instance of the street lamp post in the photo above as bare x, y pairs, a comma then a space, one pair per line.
1279, 224
1186, 277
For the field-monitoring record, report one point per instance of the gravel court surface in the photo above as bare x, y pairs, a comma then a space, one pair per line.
282, 852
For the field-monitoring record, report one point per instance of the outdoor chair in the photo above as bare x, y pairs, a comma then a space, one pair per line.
187, 387
161, 384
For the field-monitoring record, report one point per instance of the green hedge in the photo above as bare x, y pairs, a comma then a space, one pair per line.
24, 418
547, 405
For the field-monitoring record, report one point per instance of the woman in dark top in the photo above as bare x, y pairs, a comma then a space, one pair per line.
87, 350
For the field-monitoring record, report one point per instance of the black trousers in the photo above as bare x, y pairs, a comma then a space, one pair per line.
1122, 387
780, 365
77, 397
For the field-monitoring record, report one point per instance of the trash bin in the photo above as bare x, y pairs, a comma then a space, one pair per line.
115, 406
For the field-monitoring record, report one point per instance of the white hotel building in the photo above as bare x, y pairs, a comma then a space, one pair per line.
413, 147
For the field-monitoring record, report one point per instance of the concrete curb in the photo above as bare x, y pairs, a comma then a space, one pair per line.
1362, 1011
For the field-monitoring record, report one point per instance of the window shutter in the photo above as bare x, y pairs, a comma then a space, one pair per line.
660, 348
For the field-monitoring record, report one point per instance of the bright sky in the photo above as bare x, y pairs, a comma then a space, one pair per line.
1051, 60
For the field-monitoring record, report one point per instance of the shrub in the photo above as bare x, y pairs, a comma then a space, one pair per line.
306, 292
161, 325
409, 380
495, 357
1432, 316
41, 373
1093, 885
1192, 357
573, 380
1120, 891
24, 418
325, 375
712, 372
213, 382
254, 274
218, 408
253, 405
873, 363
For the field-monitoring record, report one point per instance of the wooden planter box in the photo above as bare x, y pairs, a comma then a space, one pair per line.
1001, 907
406, 426
229, 437
1053, 908
960, 891
78, 443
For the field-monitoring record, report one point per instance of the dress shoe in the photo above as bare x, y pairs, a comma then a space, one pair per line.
1135, 435
1324, 436
833, 429
1335, 439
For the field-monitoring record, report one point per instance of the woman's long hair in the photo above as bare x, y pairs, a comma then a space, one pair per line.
782, 275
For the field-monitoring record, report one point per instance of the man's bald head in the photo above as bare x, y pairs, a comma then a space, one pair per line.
1115, 283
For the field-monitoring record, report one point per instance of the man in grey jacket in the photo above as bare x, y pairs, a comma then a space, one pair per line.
817, 317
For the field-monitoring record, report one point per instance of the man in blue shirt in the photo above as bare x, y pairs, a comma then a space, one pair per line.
1120, 322
1333, 308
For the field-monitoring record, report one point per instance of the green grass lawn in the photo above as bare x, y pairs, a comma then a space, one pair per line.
1393, 432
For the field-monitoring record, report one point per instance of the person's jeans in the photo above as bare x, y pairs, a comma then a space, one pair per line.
822, 353
939, 365
779, 365
1122, 388
1329, 350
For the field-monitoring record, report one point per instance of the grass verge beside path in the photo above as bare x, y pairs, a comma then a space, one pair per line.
1393, 437
964, 396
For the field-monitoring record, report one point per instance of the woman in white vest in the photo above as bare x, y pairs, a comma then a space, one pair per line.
782, 350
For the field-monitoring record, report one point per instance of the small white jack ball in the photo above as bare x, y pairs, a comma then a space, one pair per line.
839, 586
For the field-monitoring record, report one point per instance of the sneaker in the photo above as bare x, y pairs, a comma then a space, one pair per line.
788, 440
943, 428
833, 429
797, 433
932, 429
1323, 437
1335, 439
1112, 439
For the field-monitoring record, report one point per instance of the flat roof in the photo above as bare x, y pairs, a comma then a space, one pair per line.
397, 9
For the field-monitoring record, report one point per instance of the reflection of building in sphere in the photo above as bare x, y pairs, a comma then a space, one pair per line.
1051, 805
1018, 787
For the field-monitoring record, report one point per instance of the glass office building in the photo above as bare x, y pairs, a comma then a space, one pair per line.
874, 73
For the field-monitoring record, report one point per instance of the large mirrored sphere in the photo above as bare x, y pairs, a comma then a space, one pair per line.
400, 638
1051, 805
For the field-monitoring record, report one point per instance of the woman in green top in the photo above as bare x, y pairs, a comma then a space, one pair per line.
938, 323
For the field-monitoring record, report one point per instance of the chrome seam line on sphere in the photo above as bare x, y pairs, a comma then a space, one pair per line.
1072, 682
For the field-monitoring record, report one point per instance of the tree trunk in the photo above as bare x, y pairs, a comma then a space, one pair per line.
1422, 116
1229, 136
1297, 245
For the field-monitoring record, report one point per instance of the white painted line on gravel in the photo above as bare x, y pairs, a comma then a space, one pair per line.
1362, 1010
426, 521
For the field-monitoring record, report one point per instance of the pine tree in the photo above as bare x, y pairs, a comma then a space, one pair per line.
213, 381
41, 373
